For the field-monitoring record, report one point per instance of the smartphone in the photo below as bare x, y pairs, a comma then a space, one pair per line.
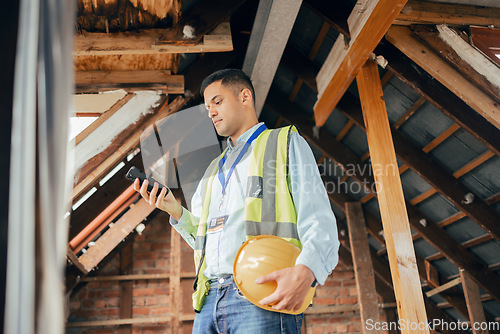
135, 173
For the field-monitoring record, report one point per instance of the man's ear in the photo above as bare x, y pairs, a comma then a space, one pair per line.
246, 96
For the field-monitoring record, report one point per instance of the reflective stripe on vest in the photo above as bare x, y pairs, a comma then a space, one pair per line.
269, 208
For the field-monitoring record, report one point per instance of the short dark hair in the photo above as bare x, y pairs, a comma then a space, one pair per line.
234, 78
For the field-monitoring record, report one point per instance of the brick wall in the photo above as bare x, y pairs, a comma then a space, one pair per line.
151, 298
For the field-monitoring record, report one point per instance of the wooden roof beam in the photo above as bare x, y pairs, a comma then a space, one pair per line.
431, 232
432, 173
402, 38
430, 12
417, 160
115, 234
272, 27
465, 58
367, 26
436, 93
145, 43
95, 160
98, 81
441, 97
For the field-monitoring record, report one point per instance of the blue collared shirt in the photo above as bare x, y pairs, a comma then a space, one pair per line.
316, 222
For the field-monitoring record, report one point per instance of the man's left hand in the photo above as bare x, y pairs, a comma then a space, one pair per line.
293, 285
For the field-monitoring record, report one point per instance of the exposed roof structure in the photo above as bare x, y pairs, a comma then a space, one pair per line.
441, 86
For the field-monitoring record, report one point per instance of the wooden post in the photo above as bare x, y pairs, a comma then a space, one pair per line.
395, 221
363, 267
474, 304
126, 267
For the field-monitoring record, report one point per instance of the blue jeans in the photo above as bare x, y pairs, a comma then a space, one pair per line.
227, 311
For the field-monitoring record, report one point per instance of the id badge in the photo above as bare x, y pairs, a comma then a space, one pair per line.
216, 224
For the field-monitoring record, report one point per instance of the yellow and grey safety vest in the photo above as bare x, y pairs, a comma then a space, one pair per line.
269, 208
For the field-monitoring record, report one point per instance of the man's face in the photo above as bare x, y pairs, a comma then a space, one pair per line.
224, 108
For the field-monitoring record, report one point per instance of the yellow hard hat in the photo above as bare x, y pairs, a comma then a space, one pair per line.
259, 256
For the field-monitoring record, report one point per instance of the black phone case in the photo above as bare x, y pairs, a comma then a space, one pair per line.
135, 173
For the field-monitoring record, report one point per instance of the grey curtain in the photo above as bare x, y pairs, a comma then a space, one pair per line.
40, 176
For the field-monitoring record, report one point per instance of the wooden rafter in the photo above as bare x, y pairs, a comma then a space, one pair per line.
121, 145
115, 234
431, 232
431, 12
432, 173
445, 183
462, 56
144, 43
402, 38
442, 98
367, 26
433, 91
97, 81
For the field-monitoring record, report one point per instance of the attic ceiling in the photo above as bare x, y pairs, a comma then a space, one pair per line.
447, 150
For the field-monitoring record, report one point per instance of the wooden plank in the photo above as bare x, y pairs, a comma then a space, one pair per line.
363, 268
92, 81
343, 64
415, 106
74, 259
473, 164
422, 197
121, 145
432, 173
175, 281
145, 42
432, 275
429, 12
443, 287
462, 56
391, 199
126, 268
101, 199
94, 125
441, 97
267, 44
114, 235
441, 138
431, 232
452, 295
474, 303
422, 55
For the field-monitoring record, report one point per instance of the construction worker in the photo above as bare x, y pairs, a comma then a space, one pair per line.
265, 182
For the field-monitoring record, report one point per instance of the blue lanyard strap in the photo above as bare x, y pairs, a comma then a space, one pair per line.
224, 181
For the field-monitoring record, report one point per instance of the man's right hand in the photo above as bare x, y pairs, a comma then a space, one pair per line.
166, 203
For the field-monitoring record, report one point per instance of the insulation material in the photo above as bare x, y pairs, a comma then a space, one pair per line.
158, 8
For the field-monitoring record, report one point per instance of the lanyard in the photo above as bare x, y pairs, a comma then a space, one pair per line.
224, 181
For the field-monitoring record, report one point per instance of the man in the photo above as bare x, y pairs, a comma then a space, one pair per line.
223, 214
